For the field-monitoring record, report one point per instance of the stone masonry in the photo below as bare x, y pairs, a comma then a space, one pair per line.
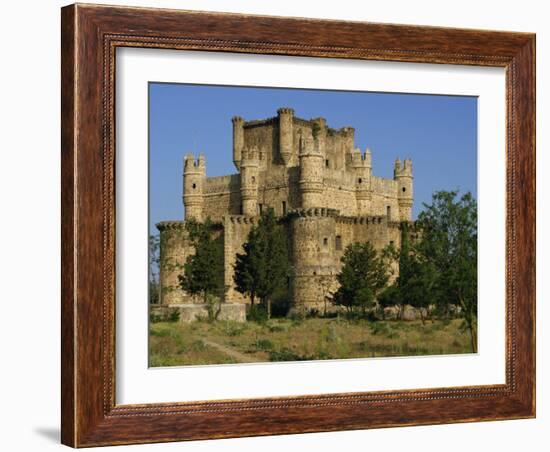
318, 183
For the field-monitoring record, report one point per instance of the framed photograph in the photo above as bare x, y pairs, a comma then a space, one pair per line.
282, 225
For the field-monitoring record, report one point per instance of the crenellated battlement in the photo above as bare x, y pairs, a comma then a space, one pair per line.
314, 212
402, 168
190, 164
170, 225
241, 219
361, 160
366, 220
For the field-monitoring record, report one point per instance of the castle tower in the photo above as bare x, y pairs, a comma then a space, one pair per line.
238, 140
313, 245
174, 250
194, 174
319, 132
249, 181
362, 167
402, 174
348, 139
311, 173
286, 133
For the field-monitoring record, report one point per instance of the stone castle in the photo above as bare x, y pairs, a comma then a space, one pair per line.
318, 183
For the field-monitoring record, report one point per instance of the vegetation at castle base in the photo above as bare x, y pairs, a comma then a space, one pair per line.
154, 269
203, 271
416, 284
437, 264
440, 269
299, 339
449, 244
364, 274
263, 269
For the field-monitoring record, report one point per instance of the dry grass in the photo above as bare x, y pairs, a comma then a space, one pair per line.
174, 344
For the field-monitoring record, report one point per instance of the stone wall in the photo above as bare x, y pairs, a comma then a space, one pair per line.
235, 312
174, 249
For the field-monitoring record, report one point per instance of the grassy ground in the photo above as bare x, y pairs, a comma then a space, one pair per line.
223, 342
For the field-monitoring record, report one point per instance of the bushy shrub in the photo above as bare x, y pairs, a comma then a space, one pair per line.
297, 318
264, 344
174, 315
233, 328
155, 318
383, 329
287, 354
256, 313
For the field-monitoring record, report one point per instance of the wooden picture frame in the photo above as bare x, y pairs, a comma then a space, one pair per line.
90, 36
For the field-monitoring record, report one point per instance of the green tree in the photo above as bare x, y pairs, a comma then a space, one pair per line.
389, 297
249, 268
154, 267
263, 268
420, 289
449, 244
203, 271
406, 269
364, 274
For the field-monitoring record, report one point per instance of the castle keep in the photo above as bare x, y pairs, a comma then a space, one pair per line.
314, 178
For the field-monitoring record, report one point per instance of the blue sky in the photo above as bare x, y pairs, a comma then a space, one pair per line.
438, 132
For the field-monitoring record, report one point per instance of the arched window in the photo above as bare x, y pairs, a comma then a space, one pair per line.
388, 211
194, 186
360, 181
404, 189
338, 242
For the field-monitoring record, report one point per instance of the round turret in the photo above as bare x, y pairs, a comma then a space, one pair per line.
361, 164
311, 173
286, 133
194, 172
238, 140
313, 246
402, 174
249, 181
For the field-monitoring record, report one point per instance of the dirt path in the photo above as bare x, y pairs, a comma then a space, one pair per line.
240, 357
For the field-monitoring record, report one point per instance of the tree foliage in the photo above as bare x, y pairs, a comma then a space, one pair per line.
364, 274
263, 268
154, 269
440, 269
416, 283
449, 246
204, 270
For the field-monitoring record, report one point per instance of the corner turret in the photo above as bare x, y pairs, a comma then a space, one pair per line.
286, 134
194, 173
362, 167
249, 181
319, 132
348, 139
238, 140
311, 173
403, 175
